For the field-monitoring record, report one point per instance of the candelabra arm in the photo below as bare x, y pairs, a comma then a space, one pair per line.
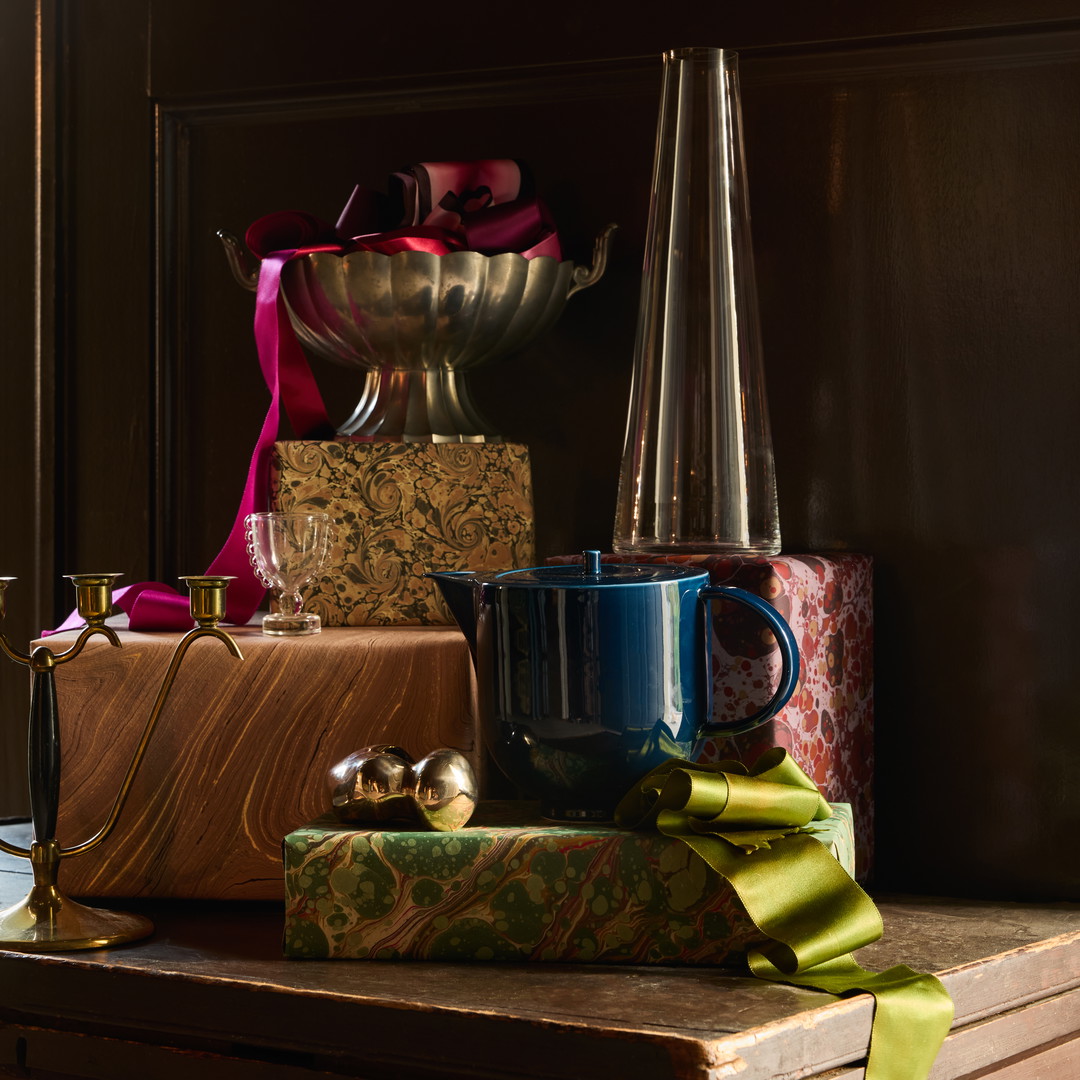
14, 849
13, 653
179, 652
84, 636
234, 255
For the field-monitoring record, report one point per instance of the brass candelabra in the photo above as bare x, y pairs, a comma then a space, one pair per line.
47, 920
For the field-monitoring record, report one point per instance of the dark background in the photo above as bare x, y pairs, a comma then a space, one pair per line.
914, 171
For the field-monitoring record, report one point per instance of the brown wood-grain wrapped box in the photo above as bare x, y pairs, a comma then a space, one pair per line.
400, 510
240, 754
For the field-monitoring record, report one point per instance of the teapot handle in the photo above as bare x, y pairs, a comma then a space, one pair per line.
789, 654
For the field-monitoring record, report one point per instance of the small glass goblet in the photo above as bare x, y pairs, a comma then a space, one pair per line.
287, 550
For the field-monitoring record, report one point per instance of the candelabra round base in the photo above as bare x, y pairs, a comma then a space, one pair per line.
48, 921
282, 625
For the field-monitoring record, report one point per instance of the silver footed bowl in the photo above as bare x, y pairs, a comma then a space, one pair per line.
415, 324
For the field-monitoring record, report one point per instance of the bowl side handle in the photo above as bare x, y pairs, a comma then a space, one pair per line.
584, 276
234, 255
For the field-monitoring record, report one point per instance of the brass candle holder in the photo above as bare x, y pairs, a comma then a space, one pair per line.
47, 920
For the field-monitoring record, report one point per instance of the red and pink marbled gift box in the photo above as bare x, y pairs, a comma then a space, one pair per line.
828, 725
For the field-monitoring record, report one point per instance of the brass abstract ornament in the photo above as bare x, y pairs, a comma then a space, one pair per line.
46, 920
381, 784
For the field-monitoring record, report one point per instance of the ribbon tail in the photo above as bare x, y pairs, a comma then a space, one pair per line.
290, 382
912, 1011
810, 912
800, 897
246, 592
281, 359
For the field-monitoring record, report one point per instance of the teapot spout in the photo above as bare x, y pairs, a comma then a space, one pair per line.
459, 590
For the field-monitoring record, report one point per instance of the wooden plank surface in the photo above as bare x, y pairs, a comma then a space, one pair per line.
1035, 1042
213, 976
239, 756
1059, 1060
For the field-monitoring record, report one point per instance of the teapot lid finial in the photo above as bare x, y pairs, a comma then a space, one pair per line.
591, 563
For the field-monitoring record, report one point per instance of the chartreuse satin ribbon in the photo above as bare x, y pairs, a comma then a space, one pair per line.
750, 826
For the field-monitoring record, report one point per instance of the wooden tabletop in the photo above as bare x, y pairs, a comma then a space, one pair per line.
212, 982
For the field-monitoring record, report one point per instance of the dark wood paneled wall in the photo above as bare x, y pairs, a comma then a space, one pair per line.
26, 542
913, 176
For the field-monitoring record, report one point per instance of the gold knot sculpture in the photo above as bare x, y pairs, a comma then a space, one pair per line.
381, 784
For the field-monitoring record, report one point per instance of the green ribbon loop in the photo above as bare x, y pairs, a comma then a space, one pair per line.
753, 827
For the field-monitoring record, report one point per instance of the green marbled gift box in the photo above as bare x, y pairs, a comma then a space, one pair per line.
496, 891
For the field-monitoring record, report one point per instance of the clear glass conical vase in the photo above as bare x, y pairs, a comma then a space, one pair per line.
697, 471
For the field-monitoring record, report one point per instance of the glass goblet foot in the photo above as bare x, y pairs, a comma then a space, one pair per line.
282, 624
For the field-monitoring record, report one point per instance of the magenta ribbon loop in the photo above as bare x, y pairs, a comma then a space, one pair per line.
485, 206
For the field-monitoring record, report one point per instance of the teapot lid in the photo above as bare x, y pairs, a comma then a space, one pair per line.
591, 573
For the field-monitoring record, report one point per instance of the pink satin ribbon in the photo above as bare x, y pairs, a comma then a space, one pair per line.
484, 206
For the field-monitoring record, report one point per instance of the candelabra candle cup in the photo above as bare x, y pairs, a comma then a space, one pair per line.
93, 596
207, 597
287, 550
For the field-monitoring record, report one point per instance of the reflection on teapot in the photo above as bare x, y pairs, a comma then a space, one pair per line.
589, 676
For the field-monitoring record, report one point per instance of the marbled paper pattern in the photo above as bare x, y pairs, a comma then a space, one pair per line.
515, 892
400, 510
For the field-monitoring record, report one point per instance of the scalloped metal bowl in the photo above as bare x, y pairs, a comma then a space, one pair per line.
414, 323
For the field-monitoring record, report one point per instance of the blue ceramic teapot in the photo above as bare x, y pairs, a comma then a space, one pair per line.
590, 675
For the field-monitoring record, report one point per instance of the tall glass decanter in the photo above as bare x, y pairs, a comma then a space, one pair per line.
697, 472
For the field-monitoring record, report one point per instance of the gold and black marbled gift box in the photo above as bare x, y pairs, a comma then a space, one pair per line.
400, 510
